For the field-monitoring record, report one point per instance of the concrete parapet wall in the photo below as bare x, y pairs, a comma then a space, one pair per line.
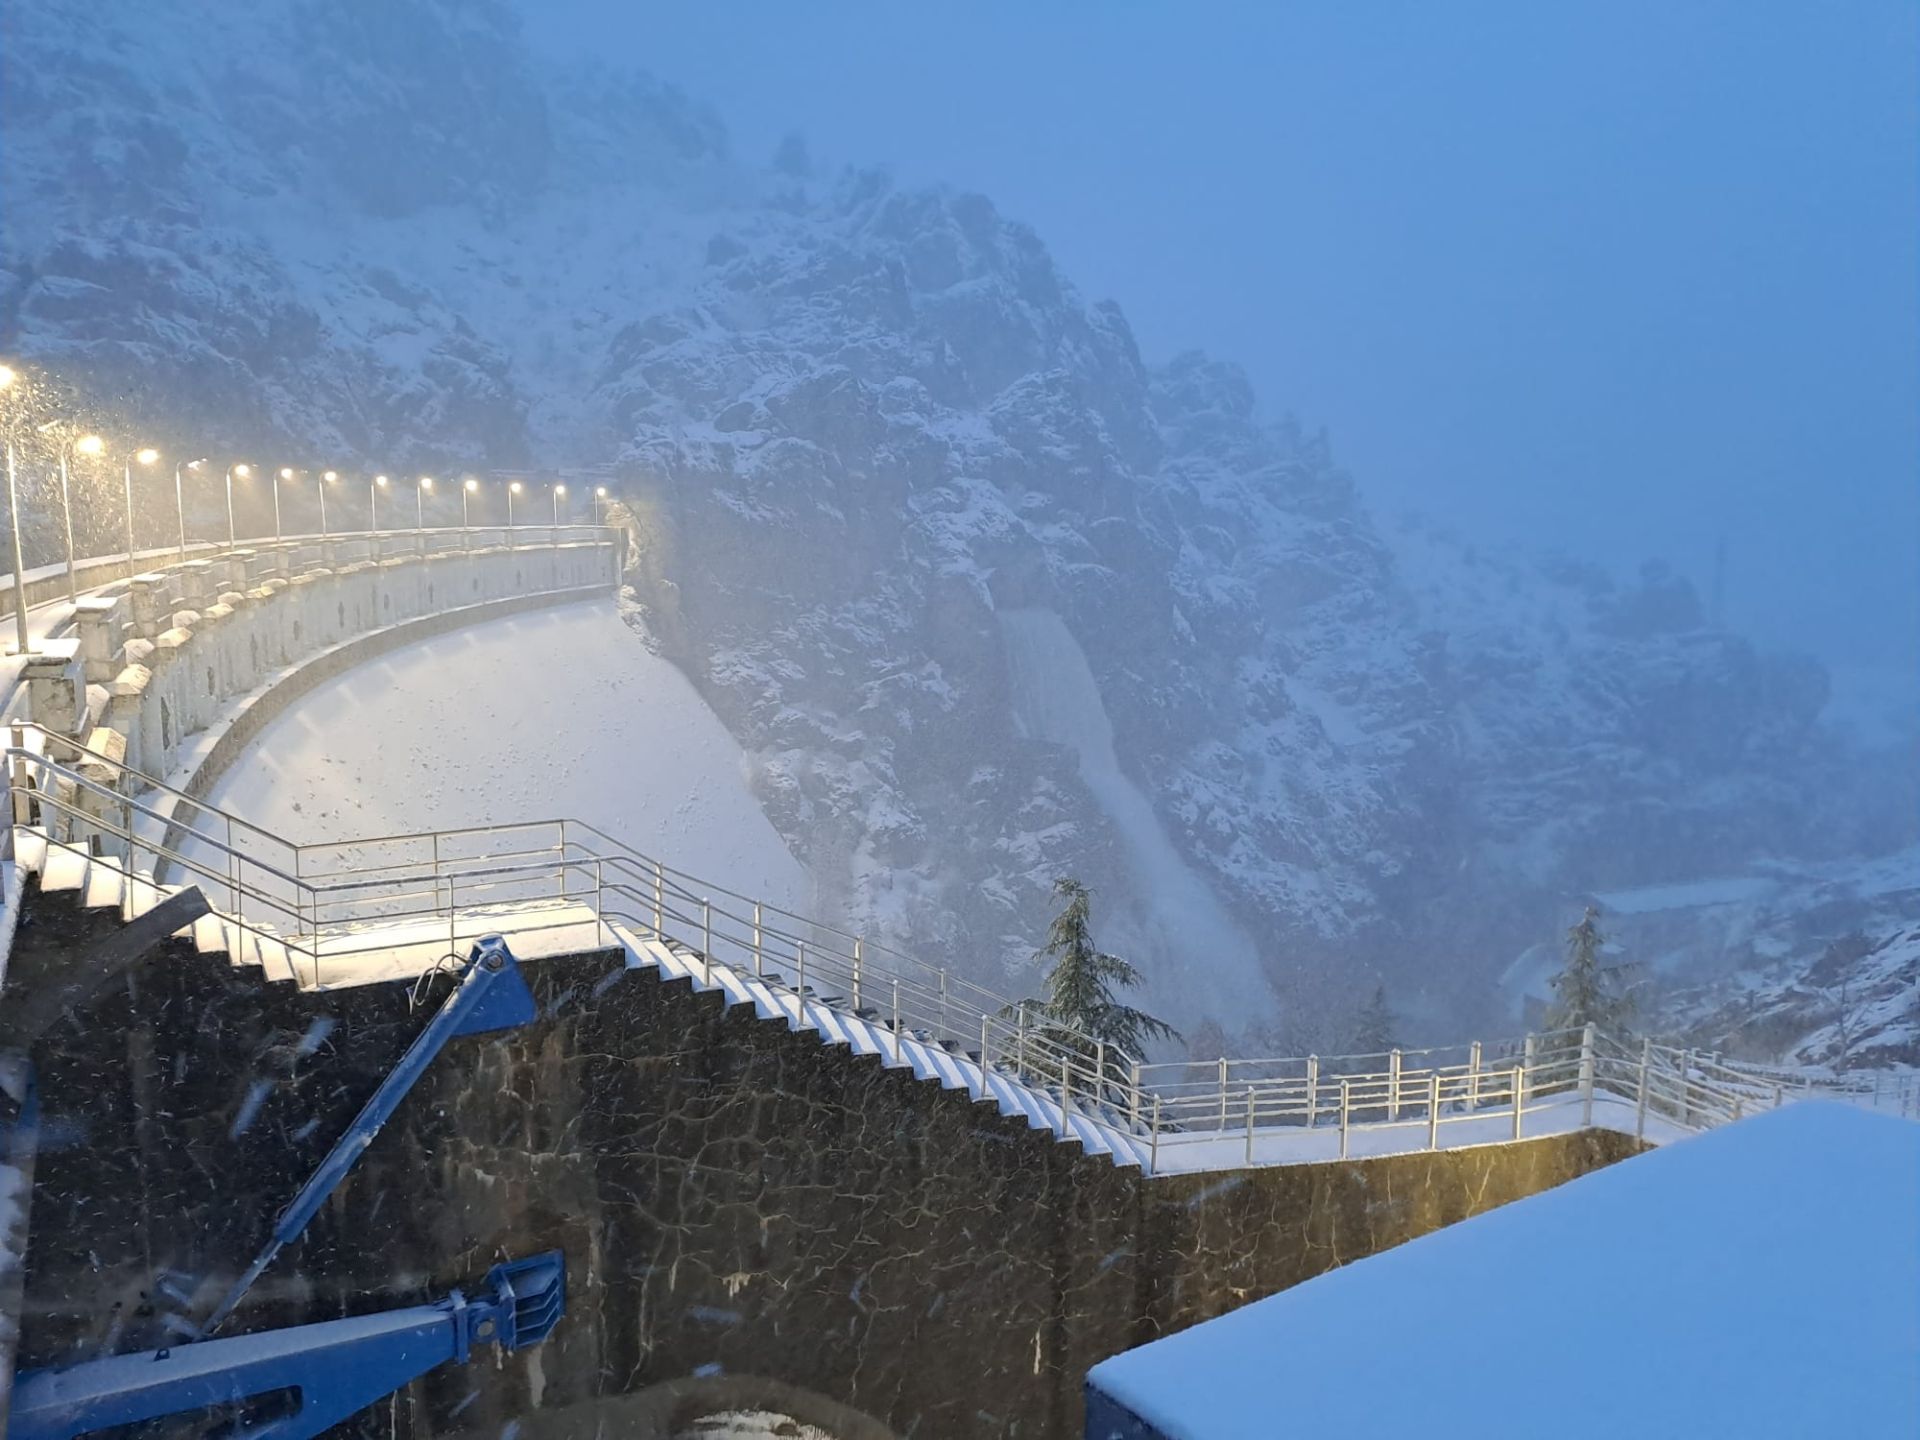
179, 652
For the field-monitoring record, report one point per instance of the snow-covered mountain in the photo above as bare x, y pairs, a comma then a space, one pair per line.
985, 596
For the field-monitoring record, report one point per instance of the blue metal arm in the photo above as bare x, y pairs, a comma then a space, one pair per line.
491, 995
331, 1370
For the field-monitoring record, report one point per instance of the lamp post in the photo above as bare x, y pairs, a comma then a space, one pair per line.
146, 455
243, 471
558, 492
85, 445
466, 490
513, 489
23, 645
599, 505
180, 500
326, 478
286, 473
374, 487
420, 502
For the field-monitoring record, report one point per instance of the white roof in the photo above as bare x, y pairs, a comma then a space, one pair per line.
1760, 1280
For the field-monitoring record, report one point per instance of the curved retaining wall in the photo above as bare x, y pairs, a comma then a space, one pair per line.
177, 671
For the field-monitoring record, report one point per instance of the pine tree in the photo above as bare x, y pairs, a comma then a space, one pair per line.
1374, 1028
1082, 982
1586, 992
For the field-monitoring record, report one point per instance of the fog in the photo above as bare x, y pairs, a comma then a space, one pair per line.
1626, 280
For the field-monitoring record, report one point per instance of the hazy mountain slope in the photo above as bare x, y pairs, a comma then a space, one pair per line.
856, 424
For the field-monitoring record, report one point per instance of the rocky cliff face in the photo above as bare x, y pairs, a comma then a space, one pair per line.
855, 426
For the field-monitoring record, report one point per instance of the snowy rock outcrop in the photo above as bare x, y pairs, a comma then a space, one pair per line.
856, 426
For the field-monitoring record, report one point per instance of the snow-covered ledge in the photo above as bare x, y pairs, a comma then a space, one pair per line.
172, 672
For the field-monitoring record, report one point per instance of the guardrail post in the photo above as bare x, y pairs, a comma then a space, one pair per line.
1686, 1087
943, 1005
1223, 1093
1640, 1091
1346, 1114
896, 1022
1433, 1111
1019, 1038
1519, 1097
1249, 1124
1099, 1070
1133, 1097
706, 934
984, 1046
1526, 1070
1586, 1074
659, 902
1066, 1089
758, 963
1393, 1085
1153, 1147
1779, 1095
1313, 1087
22, 794
1473, 1076
856, 987
800, 990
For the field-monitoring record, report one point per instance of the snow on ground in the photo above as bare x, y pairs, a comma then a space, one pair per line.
749, 1425
557, 713
1757, 1281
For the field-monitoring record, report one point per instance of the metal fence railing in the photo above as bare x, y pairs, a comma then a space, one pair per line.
331, 906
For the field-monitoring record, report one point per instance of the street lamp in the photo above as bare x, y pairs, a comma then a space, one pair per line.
599, 497
466, 490
513, 489
420, 502
243, 471
327, 477
7, 379
374, 487
69, 447
558, 491
145, 455
180, 500
287, 472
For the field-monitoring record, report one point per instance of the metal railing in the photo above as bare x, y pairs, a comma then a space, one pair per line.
332, 906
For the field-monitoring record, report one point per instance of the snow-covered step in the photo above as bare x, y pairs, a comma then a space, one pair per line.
106, 885
63, 869
29, 848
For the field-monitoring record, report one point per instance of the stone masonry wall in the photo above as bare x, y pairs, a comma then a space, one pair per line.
734, 1199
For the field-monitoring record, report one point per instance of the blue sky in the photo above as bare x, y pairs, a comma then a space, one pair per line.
1625, 279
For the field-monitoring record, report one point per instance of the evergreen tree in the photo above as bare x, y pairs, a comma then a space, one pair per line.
1586, 992
1374, 1028
1084, 979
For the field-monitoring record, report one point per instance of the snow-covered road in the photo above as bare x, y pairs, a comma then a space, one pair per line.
559, 712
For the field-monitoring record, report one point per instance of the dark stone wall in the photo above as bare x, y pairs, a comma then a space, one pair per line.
735, 1199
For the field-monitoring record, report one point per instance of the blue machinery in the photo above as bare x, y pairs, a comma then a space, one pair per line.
293, 1383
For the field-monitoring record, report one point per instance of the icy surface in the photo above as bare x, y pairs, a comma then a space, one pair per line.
1201, 958
558, 713
1757, 1281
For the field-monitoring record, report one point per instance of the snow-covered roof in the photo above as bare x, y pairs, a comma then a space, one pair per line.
1760, 1280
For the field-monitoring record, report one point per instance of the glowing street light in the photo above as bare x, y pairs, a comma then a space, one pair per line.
145, 455
513, 489
180, 499
374, 487
420, 489
599, 502
325, 478
558, 491
287, 473
243, 471
466, 490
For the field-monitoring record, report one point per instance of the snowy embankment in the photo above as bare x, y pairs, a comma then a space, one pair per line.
558, 713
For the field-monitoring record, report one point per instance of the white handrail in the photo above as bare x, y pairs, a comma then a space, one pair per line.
326, 903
